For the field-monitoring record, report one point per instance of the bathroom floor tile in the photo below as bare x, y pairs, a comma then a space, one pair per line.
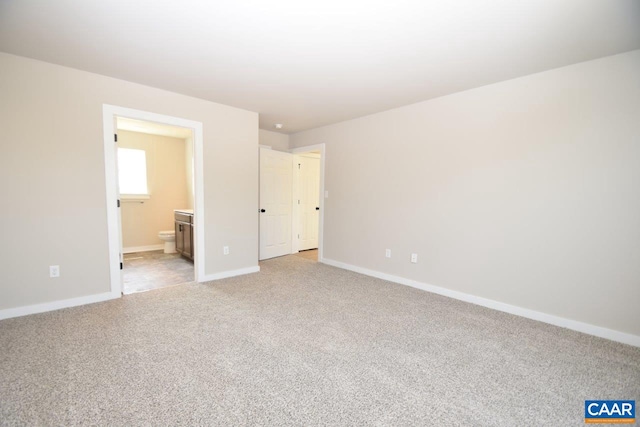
144, 271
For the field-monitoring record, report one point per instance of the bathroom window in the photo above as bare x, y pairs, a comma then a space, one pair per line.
132, 173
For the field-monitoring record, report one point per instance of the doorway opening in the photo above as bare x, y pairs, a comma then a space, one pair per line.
153, 167
292, 202
306, 206
155, 183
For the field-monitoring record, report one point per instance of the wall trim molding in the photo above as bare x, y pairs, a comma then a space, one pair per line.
562, 322
90, 299
55, 305
229, 273
109, 114
149, 248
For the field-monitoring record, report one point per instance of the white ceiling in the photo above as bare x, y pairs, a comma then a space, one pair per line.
306, 64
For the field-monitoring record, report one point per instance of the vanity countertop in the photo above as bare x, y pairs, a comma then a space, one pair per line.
184, 211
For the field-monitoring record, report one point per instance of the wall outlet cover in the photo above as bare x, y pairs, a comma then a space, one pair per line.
54, 271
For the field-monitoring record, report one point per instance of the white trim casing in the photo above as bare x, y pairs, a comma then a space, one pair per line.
574, 325
55, 305
230, 273
90, 299
108, 114
323, 156
295, 189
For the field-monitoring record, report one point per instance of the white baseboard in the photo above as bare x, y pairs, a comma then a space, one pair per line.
149, 248
230, 273
54, 305
586, 328
73, 302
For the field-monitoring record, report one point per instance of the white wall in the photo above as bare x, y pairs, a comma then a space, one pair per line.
52, 180
167, 184
277, 141
525, 192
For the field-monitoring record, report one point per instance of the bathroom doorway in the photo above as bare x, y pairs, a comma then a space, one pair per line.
155, 181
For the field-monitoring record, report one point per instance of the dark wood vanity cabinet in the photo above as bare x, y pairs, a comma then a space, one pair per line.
184, 234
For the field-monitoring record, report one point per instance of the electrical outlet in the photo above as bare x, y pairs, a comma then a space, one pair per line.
414, 258
54, 271
225, 250
387, 253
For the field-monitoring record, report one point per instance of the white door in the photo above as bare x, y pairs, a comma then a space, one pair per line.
276, 179
309, 201
115, 147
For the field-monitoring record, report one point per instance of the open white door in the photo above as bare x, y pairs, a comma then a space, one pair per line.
309, 201
276, 179
120, 249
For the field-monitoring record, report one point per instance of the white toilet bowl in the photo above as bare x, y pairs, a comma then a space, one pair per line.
169, 238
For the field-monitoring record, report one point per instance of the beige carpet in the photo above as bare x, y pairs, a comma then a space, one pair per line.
311, 254
301, 343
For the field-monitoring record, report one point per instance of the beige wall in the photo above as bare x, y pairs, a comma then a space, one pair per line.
189, 164
525, 192
52, 180
277, 141
167, 184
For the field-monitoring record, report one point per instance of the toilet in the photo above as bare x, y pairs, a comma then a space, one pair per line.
169, 239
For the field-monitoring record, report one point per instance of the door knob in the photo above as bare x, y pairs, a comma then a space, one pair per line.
262, 210
317, 208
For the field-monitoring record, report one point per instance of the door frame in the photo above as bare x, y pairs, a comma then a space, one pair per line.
109, 112
294, 242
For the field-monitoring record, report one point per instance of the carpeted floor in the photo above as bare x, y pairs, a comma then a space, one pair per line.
311, 254
301, 343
